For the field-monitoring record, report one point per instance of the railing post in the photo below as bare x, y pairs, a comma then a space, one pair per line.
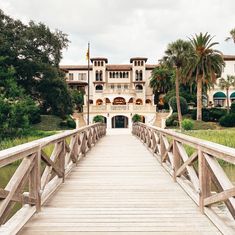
204, 180
176, 159
162, 147
35, 180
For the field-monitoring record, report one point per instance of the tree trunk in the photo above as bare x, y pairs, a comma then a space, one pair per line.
177, 93
227, 100
199, 98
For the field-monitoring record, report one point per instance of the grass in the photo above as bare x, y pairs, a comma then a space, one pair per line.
223, 136
29, 136
49, 123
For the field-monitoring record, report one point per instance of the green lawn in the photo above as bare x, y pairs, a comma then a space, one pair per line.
49, 125
223, 136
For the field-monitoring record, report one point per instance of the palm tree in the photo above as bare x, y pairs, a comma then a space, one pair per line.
232, 35
208, 65
177, 56
226, 84
161, 79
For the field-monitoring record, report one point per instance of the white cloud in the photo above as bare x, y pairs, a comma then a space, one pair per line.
121, 29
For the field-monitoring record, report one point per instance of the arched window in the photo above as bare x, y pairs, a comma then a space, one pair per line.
219, 99
98, 63
130, 101
117, 75
113, 75
142, 63
139, 102
107, 100
135, 63
139, 87
95, 63
102, 63
120, 75
90, 101
99, 102
99, 88
110, 75
127, 74
119, 101
138, 63
148, 101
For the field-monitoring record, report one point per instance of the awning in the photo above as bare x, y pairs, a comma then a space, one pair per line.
219, 96
232, 96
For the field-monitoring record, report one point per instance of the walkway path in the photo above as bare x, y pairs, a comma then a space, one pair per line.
119, 188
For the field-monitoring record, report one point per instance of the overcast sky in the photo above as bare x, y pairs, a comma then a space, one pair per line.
120, 29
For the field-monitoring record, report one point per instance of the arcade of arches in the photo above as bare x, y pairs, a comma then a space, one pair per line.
120, 101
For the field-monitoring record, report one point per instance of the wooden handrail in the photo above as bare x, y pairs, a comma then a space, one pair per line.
36, 182
200, 174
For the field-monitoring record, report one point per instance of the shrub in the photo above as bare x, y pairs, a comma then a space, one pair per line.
215, 114
205, 115
98, 118
232, 107
68, 122
136, 118
172, 120
228, 120
187, 124
183, 105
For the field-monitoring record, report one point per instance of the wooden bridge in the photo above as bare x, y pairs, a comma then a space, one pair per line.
168, 184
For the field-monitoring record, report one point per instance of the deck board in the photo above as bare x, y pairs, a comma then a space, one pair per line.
119, 188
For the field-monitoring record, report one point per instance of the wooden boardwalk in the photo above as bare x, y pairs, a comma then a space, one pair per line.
119, 188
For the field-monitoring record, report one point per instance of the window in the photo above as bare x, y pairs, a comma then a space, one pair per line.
142, 63
119, 86
99, 88
95, 63
70, 76
102, 63
112, 86
82, 76
111, 75
126, 87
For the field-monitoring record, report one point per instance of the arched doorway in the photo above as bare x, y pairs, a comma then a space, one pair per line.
120, 121
148, 101
119, 101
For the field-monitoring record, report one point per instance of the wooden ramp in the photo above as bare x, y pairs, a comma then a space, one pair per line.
119, 188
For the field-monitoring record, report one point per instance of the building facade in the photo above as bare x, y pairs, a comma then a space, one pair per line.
218, 97
117, 91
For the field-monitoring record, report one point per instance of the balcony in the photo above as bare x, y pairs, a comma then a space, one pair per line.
129, 108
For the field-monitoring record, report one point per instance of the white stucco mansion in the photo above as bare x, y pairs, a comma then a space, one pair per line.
118, 91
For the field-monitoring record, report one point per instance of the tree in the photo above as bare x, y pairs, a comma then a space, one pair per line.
34, 51
226, 84
17, 110
177, 56
207, 64
161, 79
232, 35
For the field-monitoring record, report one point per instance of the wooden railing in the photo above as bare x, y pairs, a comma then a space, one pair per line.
194, 164
41, 166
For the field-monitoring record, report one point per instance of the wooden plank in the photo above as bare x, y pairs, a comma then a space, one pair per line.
115, 190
